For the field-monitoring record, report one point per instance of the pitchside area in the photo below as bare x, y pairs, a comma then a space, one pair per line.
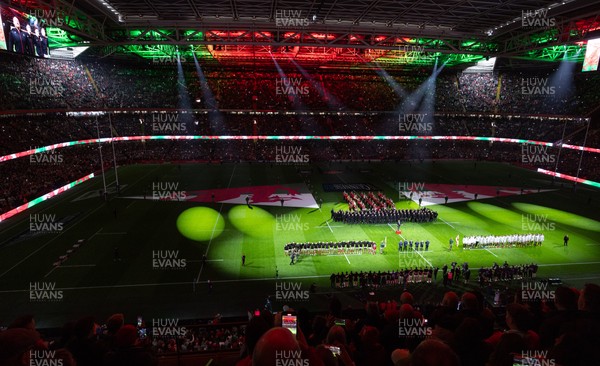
134, 254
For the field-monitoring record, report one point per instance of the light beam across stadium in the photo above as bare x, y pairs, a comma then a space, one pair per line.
293, 90
398, 89
562, 80
215, 118
184, 97
332, 101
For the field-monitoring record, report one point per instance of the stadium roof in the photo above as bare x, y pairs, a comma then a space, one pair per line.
385, 30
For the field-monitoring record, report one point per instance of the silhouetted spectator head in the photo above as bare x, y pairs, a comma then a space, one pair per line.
114, 323
391, 315
255, 329
406, 311
401, 357
469, 302
589, 298
469, 332
518, 317
565, 298
126, 336
450, 300
25, 321
276, 344
335, 307
369, 335
406, 298
336, 335
326, 356
434, 353
15, 346
65, 357
85, 327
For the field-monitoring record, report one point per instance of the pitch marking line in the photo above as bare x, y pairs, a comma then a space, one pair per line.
347, 258
50, 241
567, 264
449, 224
214, 227
77, 265
489, 251
428, 262
175, 283
330, 229
208, 260
69, 266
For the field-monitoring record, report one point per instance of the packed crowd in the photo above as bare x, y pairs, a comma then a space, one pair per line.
26, 178
208, 338
502, 241
384, 216
100, 83
457, 329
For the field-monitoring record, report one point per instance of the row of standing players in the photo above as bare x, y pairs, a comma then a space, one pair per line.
495, 273
384, 216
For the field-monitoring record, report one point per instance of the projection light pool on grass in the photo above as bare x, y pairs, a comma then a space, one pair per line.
254, 221
200, 223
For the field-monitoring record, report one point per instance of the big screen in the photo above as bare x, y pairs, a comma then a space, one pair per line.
592, 54
24, 32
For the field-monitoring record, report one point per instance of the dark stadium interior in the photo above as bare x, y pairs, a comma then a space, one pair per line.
299, 182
